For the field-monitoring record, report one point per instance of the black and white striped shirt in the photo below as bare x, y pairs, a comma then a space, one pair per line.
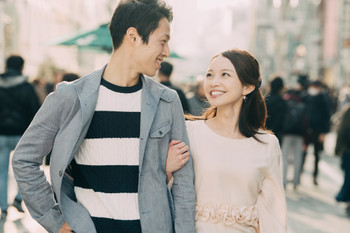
106, 167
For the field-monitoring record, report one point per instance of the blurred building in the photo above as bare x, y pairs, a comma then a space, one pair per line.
336, 42
30, 27
343, 51
309, 36
288, 37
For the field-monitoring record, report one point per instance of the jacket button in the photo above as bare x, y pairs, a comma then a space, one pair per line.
160, 132
60, 173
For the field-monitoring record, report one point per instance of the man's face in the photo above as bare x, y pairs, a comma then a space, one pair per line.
150, 56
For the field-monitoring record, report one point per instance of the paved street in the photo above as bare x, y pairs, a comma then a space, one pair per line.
311, 209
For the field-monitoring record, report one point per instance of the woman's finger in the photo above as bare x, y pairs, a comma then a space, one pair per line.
185, 159
183, 149
180, 145
174, 142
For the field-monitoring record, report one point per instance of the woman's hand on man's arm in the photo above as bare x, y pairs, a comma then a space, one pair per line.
178, 155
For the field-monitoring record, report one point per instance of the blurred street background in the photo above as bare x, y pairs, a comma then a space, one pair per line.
289, 38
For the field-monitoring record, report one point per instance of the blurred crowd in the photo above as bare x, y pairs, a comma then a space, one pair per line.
301, 116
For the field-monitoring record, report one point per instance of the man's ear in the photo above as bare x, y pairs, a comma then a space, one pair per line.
131, 35
248, 89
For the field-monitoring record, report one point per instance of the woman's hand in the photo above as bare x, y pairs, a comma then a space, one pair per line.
178, 155
65, 228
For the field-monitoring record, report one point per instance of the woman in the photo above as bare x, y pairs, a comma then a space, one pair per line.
342, 149
236, 161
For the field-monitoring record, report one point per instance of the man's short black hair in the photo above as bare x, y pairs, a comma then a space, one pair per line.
166, 69
15, 62
144, 15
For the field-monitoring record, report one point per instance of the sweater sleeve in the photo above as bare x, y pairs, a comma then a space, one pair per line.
271, 199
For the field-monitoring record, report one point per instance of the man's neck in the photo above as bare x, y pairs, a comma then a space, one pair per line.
119, 71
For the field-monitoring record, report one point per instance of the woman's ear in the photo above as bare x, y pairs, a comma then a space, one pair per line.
247, 89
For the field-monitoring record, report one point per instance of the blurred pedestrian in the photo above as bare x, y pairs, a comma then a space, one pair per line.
18, 105
164, 75
47, 78
276, 107
343, 149
198, 102
294, 130
108, 134
318, 113
236, 160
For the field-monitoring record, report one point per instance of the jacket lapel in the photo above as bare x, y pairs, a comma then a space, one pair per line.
149, 103
87, 93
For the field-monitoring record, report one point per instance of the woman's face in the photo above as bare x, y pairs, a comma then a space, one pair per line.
222, 86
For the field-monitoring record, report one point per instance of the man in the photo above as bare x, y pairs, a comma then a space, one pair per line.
164, 74
18, 105
198, 102
294, 131
276, 107
319, 114
108, 134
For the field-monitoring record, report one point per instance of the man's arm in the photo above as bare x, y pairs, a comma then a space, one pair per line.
183, 186
36, 143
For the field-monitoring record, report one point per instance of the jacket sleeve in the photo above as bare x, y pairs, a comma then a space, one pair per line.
34, 145
183, 186
271, 202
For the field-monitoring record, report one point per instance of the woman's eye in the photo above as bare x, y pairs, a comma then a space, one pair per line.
208, 75
226, 74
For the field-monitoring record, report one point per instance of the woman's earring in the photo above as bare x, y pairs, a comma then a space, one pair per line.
245, 98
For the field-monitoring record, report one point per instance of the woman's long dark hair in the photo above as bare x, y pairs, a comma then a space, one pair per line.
253, 111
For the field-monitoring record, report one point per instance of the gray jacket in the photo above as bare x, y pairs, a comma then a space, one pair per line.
60, 127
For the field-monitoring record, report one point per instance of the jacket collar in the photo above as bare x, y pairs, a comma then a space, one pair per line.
88, 87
